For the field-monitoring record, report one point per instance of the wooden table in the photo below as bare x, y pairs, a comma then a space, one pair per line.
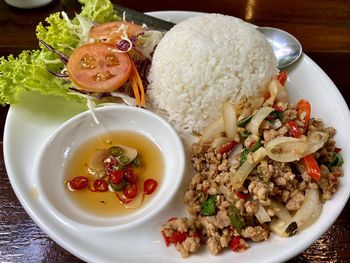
323, 28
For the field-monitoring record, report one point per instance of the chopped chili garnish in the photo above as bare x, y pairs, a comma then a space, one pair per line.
130, 176
242, 195
130, 191
282, 77
149, 186
311, 166
166, 239
337, 150
293, 129
78, 183
116, 177
100, 185
227, 147
304, 111
234, 244
178, 237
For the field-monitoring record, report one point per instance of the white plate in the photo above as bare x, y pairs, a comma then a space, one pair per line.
32, 122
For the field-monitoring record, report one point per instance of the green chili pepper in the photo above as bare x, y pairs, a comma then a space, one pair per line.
208, 207
244, 134
116, 151
118, 187
136, 162
124, 159
243, 122
246, 151
236, 220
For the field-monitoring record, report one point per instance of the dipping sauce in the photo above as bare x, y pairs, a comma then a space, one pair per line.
108, 203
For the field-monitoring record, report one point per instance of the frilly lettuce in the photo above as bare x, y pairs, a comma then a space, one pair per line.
28, 72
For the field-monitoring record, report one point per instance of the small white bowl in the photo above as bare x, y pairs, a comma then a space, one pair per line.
69, 136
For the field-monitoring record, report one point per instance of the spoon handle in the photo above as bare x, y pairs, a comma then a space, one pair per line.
141, 18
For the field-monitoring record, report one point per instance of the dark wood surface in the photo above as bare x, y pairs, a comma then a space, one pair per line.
323, 28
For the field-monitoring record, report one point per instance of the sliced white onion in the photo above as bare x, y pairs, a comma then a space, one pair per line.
279, 227
287, 149
258, 117
281, 211
230, 119
213, 129
316, 141
306, 210
309, 211
273, 89
281, 95
95, 164
262, 215
247, 167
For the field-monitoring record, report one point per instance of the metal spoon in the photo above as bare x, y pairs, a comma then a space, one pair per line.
285, 46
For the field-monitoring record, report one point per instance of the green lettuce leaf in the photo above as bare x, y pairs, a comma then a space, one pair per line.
99, 11
28, 72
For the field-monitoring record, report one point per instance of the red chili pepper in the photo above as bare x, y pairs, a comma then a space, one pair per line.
197, 234
277, 108
337, 150
242, 195
116, 177
178, 237
312, 168
304, 108
109, 166
78, 183
130, 191
235, 243
293, 129
100, 185
227, 147
282, 77
166, 239
149, 186
130, 176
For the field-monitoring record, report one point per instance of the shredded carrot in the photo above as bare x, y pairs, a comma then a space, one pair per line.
137, 86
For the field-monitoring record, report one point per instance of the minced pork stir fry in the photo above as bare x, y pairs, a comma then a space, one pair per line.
265, 165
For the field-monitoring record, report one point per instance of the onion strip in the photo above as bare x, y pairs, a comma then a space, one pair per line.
213, 129
258, 117
262, 215
230, 119
247, 167
273, 89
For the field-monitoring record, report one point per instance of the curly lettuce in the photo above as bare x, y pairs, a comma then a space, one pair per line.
29, 71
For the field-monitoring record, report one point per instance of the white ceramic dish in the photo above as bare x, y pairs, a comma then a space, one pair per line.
54, 158
33, 121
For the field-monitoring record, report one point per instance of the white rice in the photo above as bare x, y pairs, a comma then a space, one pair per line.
204, 61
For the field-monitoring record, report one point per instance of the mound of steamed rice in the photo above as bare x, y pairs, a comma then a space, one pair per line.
204, 61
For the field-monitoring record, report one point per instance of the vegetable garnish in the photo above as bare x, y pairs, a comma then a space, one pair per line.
312, 168
282, 77
236, 220
137, 86
96, 68
208, 207
293, 129
149, 186
304, 111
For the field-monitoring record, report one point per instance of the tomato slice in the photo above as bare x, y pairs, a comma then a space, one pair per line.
113, 31
96, 68
149, 186
78, 183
